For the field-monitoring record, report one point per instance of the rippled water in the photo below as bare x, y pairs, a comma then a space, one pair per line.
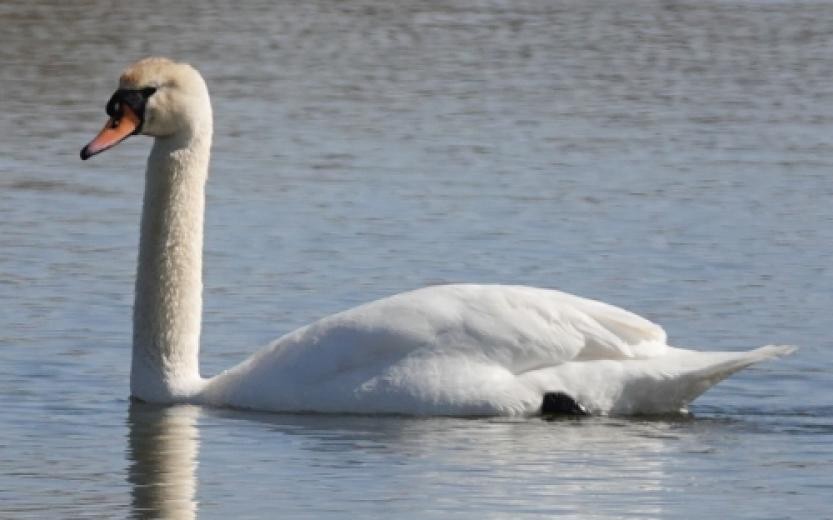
673, 157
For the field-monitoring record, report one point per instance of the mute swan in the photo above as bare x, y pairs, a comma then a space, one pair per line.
444, 350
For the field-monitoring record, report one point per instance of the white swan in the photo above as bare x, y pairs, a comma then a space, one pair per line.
445, 350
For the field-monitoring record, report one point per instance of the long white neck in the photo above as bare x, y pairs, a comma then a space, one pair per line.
168, 305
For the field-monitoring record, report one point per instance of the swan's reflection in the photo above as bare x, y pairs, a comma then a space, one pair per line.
601, 467
162, 450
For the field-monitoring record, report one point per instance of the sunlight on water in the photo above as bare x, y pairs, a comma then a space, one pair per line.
670, 157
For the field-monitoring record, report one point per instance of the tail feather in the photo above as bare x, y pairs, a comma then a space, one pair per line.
719, 369
663, 384
703, 370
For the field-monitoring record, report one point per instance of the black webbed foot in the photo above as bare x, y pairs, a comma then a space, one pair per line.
559, 404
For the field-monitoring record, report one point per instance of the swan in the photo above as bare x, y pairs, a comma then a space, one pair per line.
460, 350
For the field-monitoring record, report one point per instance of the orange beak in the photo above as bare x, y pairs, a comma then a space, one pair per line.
115, 131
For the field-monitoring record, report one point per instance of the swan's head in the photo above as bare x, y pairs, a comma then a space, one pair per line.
156, 97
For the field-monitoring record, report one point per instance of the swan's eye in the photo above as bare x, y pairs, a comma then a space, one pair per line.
148, 91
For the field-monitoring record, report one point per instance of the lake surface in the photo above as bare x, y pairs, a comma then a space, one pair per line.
671, 157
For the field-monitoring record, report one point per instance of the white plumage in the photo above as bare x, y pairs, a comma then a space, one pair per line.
442, 350
476, 350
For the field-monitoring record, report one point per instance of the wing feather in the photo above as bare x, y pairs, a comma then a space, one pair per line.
520, 328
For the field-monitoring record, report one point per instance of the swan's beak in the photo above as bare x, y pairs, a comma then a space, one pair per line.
115, 131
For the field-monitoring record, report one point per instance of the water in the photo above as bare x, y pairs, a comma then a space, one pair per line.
670, 157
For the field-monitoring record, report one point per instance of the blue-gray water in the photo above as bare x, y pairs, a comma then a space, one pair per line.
672, 157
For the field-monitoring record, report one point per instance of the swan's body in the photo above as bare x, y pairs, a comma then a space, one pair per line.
475, 350
443, 350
